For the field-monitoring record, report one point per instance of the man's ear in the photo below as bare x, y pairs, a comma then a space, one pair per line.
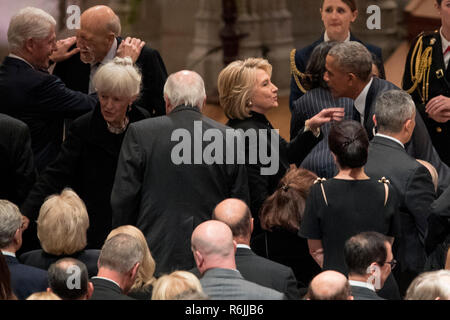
168, 105
134, 270
409, 125
374, 118
90, 290
198, 258
29, 45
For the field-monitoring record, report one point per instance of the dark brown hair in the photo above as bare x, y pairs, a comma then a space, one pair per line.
6, 292
349, 142
285, 207
350, 3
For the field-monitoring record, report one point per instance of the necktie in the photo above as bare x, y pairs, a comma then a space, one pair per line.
447, 50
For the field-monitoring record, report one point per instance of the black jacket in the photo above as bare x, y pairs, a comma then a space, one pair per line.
16, 160
107, 290
75, 74
87, 164
42, 101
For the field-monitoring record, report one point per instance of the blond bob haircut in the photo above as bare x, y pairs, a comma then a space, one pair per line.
119, 77
62, 224
45, 295
145, 275
430, 285
168, 287
236, 84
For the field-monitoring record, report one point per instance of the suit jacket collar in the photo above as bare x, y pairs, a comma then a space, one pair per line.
260, 118
377, 140
369, 110
244, 252
99, 282
222, 273
11, 260
17, 62
182, 108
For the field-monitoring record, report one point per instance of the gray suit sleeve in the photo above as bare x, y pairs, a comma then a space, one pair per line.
126, 193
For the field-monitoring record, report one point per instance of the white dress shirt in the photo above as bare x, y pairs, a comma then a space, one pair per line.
360, 101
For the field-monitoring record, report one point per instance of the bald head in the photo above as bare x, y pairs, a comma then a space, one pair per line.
329, 285
213, 246
236, 214
184, 88
101, 19
99, 26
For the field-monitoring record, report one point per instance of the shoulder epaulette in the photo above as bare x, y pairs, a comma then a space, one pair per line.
296, 73
420, 64
384, 180
321, 181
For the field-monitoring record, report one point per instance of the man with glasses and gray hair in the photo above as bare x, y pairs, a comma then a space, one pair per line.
395, 118
369, 259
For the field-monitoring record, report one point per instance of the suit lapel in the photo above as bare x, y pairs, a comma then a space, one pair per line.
369, 110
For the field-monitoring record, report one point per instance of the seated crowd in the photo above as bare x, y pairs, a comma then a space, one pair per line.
143, 197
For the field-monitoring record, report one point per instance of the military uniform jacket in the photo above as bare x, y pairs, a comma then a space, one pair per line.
425, 80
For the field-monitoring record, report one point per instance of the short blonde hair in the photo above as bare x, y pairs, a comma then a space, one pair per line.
62, 224
120, 77
168, 287
429, 286
145, 275
45, 295
236, 83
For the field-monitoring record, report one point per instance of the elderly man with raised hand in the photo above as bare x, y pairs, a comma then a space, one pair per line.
161, 186
214, 253
349, 74
98, 41
32, 95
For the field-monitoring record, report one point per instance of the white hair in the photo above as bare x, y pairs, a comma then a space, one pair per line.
120, 77
185, 88
10, 222
29, 23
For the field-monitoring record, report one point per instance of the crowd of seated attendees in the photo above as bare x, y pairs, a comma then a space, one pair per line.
348, 213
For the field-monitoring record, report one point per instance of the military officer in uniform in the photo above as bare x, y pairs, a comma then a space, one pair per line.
427, 79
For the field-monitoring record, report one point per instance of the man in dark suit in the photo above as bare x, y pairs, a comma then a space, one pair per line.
68, 279
25, 280
236, 214
16, 160
395, 119
300, 59
349, 69
164, 185
214, 253
369, 259
37, 98
98, 41
118, 265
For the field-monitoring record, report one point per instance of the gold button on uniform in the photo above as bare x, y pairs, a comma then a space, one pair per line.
438, 129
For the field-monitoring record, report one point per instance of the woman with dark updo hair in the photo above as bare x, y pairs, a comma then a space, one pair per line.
348, 204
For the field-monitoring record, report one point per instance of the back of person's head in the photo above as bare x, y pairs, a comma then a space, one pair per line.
6, 292
45, 295
104, 18
119, 77
392, 109
236, 214
362, 250
10, 222
191, 295
286, 206
121, 253
62, 224
213, 246
353, 57
236, 84
145, 275
167, 287
329, 285
315, 69
433, 285
68, 279
349, 142
185, 88
29, 23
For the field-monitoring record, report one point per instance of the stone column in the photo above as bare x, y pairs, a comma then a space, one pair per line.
206, 57
249, 25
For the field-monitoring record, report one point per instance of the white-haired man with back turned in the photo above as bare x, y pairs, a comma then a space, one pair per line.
165, 191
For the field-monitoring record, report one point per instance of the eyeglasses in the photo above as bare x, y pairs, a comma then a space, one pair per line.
393, 263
